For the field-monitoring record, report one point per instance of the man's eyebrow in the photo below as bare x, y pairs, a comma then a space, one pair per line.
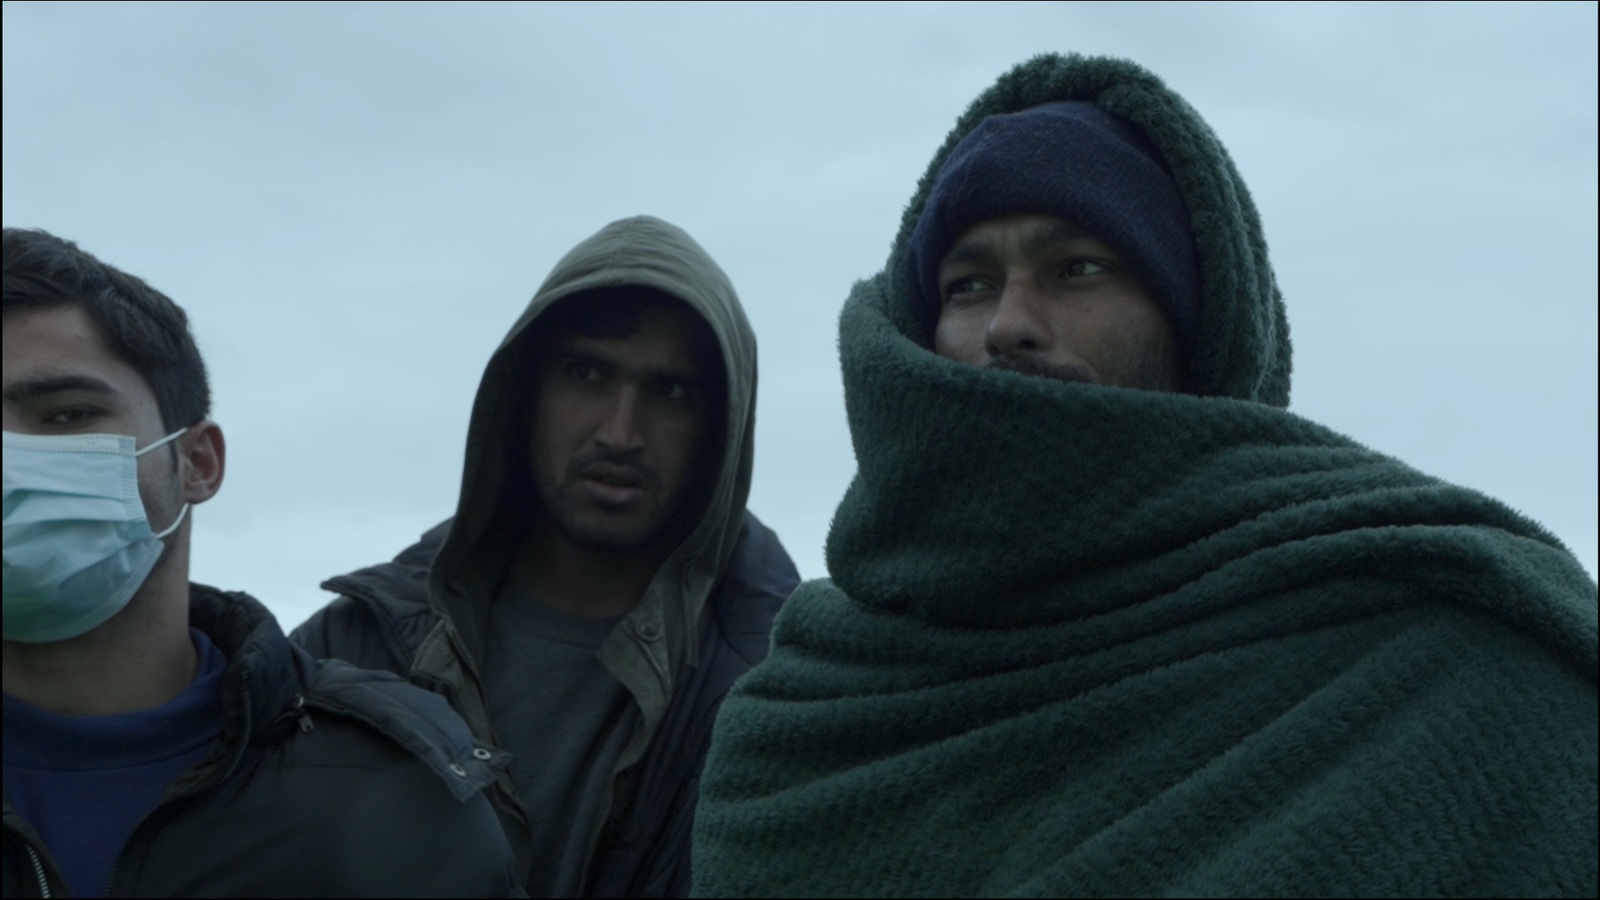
607, 361
35, 388
970, 250
585, 357
1036, 240
1042, 237
686, 376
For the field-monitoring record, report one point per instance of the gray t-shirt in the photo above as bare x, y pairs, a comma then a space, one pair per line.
565, 720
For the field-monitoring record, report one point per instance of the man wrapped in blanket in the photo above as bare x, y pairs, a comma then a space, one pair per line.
1105, 618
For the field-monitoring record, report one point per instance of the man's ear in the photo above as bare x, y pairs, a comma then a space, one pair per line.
204, 459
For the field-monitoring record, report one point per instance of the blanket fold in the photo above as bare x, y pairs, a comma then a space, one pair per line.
1093, 641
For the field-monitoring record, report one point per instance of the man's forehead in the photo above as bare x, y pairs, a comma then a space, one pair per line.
1032, 224
58, 342
59, 350
664, 337
1033, 231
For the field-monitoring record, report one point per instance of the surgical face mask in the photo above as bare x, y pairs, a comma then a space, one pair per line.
77, 542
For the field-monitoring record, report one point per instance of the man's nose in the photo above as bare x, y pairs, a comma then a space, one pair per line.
619, 431
1018, 324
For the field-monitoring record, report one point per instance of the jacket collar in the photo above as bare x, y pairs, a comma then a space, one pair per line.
263, 686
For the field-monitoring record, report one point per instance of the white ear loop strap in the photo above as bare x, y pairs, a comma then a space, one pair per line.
182, 512
175, 522
171, 437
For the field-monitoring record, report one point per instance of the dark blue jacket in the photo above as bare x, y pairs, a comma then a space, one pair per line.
328, 781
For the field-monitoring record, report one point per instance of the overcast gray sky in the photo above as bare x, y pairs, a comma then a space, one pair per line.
354, 202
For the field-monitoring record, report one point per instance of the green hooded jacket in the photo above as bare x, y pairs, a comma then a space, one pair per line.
702, 622
1086, 640
476, 555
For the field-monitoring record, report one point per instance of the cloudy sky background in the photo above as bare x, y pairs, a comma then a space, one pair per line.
354, 203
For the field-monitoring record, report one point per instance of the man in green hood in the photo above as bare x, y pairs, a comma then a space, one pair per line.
1104, 617
601, 585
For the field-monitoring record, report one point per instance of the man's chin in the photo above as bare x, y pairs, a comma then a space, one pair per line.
608, 533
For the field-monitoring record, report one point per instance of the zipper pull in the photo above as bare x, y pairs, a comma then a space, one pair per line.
302, 714
38, 869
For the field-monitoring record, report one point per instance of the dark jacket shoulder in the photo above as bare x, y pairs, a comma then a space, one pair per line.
759, 577
382, 612
380, 782
286, 681
327, 781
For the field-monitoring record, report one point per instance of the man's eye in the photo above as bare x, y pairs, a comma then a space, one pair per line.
583, 372
968, 285
1079, 268
71, 416
673, 390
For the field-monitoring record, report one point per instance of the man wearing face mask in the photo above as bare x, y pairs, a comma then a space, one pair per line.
162, 737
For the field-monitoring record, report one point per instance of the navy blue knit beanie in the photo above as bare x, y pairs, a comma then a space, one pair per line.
1074, 160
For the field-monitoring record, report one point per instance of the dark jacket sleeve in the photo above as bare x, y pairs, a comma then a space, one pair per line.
759, 578
381, 615
409, 812
347, 629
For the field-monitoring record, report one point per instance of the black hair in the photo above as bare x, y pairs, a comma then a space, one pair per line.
141, 325
613, 312
616, 313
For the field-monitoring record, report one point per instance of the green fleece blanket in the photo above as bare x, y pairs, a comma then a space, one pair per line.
1091, 641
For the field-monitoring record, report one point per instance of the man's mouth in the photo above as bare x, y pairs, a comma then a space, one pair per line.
616, 486
614, 475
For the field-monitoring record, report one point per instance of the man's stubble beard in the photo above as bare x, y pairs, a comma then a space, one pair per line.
573, 525
563, 505
1153, 369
